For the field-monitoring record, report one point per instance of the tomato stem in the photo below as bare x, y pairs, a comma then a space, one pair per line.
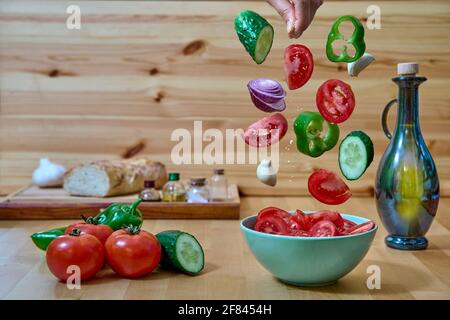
131, 229
75, 233
89, 220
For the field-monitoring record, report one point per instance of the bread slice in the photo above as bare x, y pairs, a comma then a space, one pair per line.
113, 177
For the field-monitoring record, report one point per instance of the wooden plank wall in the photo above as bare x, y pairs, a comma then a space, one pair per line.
138, 70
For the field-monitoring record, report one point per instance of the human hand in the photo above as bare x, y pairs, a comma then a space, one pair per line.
298, 14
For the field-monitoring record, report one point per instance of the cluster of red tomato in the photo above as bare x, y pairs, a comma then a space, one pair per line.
318, 224
130, 253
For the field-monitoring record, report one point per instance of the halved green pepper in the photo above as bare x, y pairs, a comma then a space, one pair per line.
357, 40
117, 215
311, 139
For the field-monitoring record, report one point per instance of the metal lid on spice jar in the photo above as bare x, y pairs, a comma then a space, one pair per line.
197, 182
174, 176
219, 171
149, 184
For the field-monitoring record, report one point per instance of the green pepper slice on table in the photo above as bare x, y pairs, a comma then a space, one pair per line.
356, 39
42, 239
117, 215
311, 139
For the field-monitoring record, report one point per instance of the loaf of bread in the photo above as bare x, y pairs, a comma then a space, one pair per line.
113, 177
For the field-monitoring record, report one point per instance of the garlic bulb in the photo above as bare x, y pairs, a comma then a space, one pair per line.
266, 173
48, 174
354, 68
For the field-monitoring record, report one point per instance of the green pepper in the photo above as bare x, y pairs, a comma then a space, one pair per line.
309, 127
119, 214
43, 239
116, 216
357, 40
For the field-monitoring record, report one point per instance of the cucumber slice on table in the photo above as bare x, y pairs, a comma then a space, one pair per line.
255, 33
181, 251
355, 154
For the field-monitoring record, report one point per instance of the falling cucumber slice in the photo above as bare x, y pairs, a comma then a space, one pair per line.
181, 251
355, 154
255, 33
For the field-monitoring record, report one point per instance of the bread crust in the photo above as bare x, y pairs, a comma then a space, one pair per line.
124, 176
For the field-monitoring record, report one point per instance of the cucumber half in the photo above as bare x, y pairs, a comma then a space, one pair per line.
355, 154
181, 251
255, 33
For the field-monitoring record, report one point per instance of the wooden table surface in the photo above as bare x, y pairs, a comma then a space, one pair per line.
231, 271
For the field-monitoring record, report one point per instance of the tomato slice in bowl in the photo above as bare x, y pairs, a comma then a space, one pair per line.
324, 223
300, 233
267, 131
298, 65
332, 216
274, 211
328, 187
300, 221
361, 228
335, 101
272, 224
347, 225
323, 228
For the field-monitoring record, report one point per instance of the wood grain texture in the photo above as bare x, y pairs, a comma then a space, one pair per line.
138, 70
54, 203
231, 272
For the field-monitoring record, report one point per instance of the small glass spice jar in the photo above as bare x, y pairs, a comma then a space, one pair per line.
149, 193
198, 191
218, 189
173, 190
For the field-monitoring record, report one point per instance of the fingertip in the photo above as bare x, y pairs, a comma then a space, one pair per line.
297, 31
289, 27
297, 35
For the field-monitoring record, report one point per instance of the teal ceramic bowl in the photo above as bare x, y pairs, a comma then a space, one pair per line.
308, 261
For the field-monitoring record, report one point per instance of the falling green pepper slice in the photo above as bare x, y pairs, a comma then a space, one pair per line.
119, 214
42, 239
357, 40
311, 139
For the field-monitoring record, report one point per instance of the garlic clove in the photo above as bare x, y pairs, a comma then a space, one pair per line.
48, 174
354, 68
266, 173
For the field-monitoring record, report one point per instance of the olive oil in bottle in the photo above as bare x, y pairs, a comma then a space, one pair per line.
173, 190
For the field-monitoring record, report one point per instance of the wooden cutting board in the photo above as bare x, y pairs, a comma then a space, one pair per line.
32, 202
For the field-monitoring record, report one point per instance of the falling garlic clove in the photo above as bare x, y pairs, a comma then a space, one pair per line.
266, 173
354, 68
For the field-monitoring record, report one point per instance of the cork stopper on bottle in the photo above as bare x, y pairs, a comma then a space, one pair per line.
407, 68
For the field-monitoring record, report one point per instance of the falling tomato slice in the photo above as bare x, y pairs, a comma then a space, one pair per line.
323, 228
267, 131
298, 65
328, 188
335, 101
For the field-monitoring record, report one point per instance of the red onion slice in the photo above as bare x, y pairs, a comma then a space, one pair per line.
267, 94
